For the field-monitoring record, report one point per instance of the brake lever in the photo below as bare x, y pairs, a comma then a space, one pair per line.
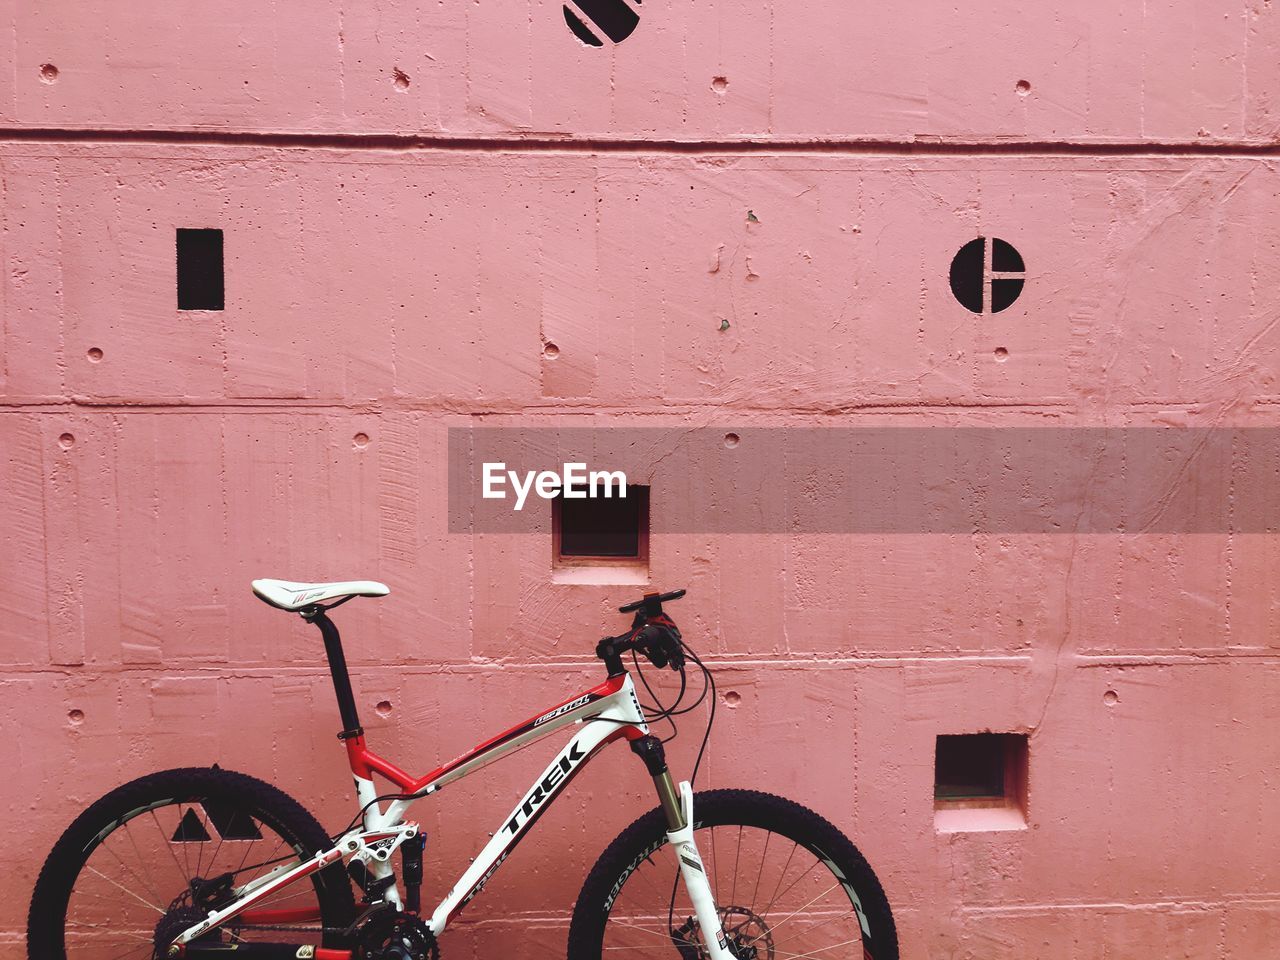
665, 654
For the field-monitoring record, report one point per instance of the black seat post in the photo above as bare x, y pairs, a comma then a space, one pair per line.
338, 670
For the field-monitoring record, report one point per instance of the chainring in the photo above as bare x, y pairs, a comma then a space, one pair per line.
395, 936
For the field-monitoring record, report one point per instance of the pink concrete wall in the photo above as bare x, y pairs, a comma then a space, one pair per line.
396, 288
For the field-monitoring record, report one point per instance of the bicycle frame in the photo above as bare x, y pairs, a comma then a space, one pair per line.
607, 712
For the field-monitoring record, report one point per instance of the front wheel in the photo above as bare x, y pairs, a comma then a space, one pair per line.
786, 882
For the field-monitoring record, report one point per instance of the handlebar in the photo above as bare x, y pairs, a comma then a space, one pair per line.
652, 633
652, 602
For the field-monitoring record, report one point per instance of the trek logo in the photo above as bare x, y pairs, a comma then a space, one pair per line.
585, 698
483, 880
546, 787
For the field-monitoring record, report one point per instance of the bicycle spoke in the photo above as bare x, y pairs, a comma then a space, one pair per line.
786, 866
126, 879
715, 866
134, 843
792, 885
143, 938
763, 859
773, 927
831, 919
127, 890
737, 856
131, 951
186, 877
813, 953
107, 847
247, 847
666, 935
808, 910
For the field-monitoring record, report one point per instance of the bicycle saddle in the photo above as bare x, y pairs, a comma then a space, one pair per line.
296, 596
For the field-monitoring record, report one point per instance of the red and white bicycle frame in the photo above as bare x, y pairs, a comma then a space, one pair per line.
606, 713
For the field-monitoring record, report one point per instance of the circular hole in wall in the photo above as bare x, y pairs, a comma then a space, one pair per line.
1023, 87
66, 441
731, 440
383, 709
76, 717
987, 280
720, 84
550, 351
732, 698
360, 440
1111, 698
604, 19
399, 79
1002, 354
94, 354
48, 73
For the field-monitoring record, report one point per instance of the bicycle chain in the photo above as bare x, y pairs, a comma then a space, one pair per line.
295, 929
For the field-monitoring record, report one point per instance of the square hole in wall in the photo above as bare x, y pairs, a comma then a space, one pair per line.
200, 275
601, 539
980, 781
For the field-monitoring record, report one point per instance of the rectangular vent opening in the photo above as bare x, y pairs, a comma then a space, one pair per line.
601, 539
200, 273
980, 781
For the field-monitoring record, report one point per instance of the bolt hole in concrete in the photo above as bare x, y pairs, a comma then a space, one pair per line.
731, 440
76, 717
1111, 698
1002, 354
550, 351
383, 709
719, 84
732, 698
48, 73
399, 79
360, 441
66, 441
1023, 87
94, 355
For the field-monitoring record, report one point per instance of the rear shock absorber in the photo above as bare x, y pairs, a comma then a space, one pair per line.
411, 859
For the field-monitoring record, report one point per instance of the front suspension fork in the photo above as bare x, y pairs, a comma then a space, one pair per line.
677, 806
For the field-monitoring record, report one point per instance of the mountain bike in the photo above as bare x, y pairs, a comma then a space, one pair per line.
204, 862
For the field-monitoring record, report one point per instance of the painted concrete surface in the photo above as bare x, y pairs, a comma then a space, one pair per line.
1173, 69
380, 293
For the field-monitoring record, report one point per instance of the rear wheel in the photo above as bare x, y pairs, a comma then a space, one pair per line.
148, 859
787, 883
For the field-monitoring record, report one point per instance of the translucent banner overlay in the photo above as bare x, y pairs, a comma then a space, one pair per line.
890, 479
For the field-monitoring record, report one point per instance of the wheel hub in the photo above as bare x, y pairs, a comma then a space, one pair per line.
746, 936
173, 923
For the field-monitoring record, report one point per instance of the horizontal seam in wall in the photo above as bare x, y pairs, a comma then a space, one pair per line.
229, 670
118, 405
552, 143
1268, 898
